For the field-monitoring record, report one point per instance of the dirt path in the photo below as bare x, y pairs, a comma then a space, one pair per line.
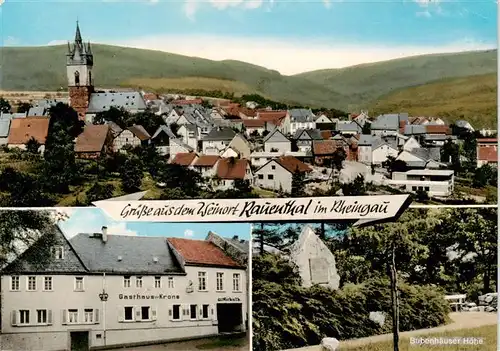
461, 320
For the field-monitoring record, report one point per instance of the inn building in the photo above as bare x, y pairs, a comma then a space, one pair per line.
99, 290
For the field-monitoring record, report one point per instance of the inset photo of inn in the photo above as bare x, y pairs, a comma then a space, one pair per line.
431, 275
74, 279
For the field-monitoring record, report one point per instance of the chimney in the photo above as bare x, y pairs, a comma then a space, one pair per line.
104, 234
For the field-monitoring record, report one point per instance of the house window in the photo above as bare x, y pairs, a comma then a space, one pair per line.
145, 315
14, 283
176, 312
273, 167
47, 283
170, 282
261, 176
236, 282
157, 282
41, 316
24, 317
192, 309
129, 314
414, 188
220, 281
77, 78
78, 283
59, 252
202, 281
270, 176
88, 315
138, 282
31, 283
204, 311
73, 316
126, 281
426, 188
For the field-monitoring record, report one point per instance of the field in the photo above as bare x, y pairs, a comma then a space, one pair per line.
471, 98
344, 89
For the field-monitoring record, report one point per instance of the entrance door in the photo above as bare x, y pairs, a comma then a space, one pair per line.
79, 341
229, 317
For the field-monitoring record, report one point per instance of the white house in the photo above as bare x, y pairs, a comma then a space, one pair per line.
315, 261
100, 290
133, 136
176, 146
258, 159
228, 170
254, 127
411, 143
205, 165
189, 134
277, 174
301, 118
217, 140
161, 139
276, 141
421, 158
382, 149
433, 181
365, 149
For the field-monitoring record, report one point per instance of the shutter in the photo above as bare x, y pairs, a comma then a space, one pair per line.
137, 313
214, 312
64, 317
185, 312
153, 313
96, 316
200, 314
170, 313
13, 316
49, 317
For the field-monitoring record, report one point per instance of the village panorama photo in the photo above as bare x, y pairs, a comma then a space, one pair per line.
78, 280
427, 281
90, 110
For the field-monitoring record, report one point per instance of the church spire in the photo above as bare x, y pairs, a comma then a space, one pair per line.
78, 35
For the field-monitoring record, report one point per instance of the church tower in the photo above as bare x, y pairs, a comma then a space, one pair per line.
79, 64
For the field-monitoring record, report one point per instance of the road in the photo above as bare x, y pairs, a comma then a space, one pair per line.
195, 345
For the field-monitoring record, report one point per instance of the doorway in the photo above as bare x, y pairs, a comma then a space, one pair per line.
230, 317
79, 341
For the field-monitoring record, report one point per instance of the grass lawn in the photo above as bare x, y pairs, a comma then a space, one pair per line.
487, 333
216, 344
264, 193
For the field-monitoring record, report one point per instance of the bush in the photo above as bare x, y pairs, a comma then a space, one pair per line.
286, 315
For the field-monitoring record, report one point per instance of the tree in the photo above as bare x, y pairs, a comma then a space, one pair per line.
174, 127
23, 107
355, 188
450, 152
32, 146
392, 165
25, 190
147, 119
4, 106
116, 115
339, 156
484, 175
469, 148
99, 191
298, 185
367, 128
131, 174
422, 195
175, 176
22, 229
273, 235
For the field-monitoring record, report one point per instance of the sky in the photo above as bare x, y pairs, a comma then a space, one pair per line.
91, 220
290, 36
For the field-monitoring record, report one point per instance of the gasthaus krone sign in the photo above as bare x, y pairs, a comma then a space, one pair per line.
361, 208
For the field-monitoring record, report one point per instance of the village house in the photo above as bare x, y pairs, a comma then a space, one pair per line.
228, 170
365, 149
254, 127
325, 149
315, 262
185, 159
301, 118
349, 128
190, 135
360, 118
382, 149
464, 125
421, 158
389, 124
437, 135
114, 291
277, 174
304, 138
216, 142
133, 136
276, 141
435, 182
240, 146
94, 141
22, 130
176, 146
487, 152
323, 122
205, 165
275, 120
411, 143
161, 139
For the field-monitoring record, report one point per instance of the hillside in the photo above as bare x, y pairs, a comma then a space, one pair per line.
369, 81
43, 68
471, 98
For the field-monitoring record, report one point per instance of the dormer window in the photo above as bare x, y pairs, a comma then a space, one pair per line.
58, 252
77, 78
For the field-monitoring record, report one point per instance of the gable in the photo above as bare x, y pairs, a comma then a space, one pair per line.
267, 167
323, 119
407, 156
25, 263
276, 137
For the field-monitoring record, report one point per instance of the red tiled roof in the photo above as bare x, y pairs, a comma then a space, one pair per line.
326, 147
275, 117
23, 129
92, 139
292, 164
488, 153
184, 158
200, 252
326, 134
487, 140
206, 161
248, 112
231, 168
254, 123
140, 132
437, 129
187, 102
150, 96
